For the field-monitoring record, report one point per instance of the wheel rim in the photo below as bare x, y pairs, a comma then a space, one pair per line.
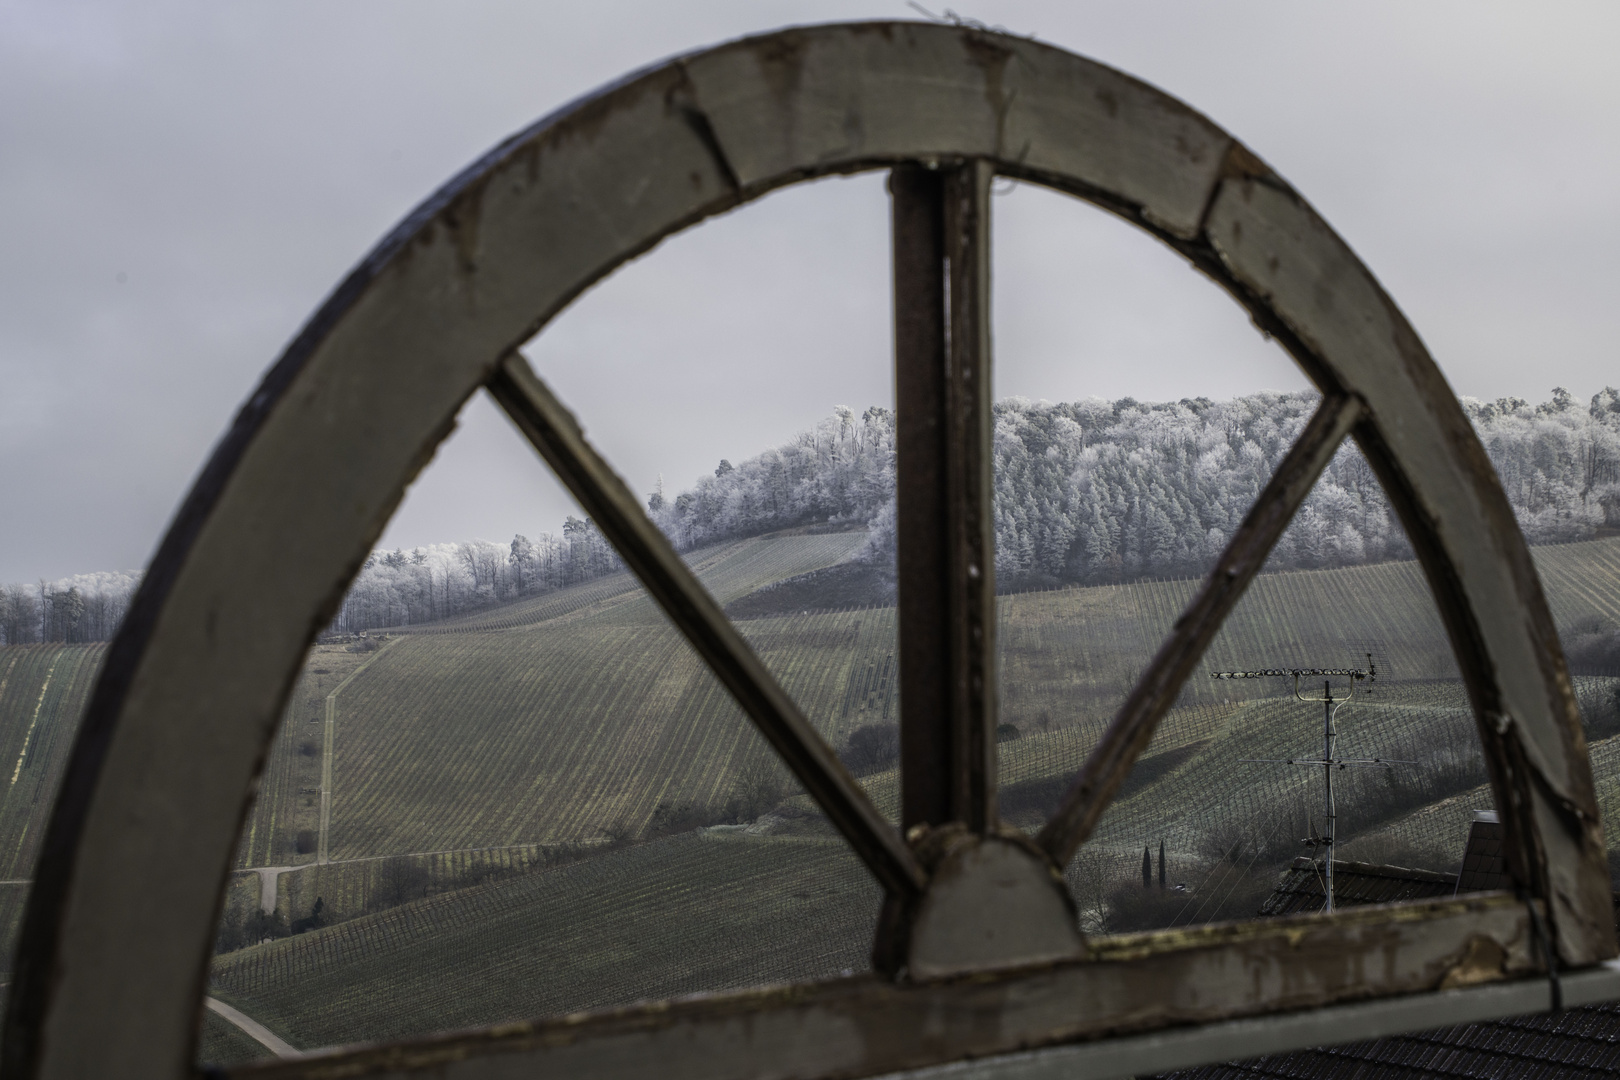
162, 773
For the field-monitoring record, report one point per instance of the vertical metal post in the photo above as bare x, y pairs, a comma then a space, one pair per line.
1329, 737
946, 576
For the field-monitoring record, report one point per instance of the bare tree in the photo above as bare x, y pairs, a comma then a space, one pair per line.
520, 558
871, 748
759, 785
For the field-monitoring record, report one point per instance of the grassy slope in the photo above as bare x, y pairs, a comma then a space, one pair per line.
565, 731
223, 1043
466, 713
43, 691
729, 570
561, 730
703, 911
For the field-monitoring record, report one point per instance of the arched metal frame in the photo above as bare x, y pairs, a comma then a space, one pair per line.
117, 936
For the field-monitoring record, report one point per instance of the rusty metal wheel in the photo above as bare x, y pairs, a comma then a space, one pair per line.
118, 932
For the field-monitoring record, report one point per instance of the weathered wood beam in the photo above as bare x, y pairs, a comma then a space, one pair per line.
970, 496
1236, 1040
944, 520
922, 528
866, 1026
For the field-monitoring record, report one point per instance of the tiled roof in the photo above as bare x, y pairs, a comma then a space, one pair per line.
1484, 860
1572, 1045
1302, 886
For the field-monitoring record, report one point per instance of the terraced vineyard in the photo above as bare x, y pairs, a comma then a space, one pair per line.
224, 1043
43, 690
1579, 579
730, 907
1194, 785
1071, 655
570, 731
1450, 816
494, 683
697, 912
542, 749
728, 570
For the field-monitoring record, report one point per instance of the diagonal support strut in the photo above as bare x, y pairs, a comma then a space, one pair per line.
557, 436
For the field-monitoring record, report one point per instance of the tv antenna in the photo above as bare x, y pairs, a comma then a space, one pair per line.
1330, 736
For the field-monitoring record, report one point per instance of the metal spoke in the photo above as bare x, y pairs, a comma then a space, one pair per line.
555, 433
944, 524
1111, 760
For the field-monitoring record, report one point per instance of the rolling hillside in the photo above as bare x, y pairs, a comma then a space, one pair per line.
574, 733
524, 790
703, 911
729, 907
729, 571
43, 690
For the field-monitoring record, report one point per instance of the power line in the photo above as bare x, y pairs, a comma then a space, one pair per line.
1330, 735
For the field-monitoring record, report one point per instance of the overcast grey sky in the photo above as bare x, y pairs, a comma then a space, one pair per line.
181, 184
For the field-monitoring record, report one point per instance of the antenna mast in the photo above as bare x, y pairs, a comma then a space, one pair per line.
1330, 737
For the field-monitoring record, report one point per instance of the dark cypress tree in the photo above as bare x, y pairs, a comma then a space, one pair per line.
1147, 869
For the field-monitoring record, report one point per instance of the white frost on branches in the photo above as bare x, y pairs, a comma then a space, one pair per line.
1097, 491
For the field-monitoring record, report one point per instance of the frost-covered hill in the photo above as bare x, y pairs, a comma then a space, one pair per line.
1098, 491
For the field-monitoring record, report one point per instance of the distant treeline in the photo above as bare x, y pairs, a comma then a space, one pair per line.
400, 588
395, 588
1085, 492
1099, 491
87, 607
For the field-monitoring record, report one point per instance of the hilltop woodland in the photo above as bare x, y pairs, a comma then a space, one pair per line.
1089, 492
1105, 492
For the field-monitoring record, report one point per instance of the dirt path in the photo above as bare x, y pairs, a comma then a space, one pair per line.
268, 876
255, 1030
326, 753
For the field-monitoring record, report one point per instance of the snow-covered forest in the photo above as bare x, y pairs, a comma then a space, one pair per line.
394, 588
1086, 492
84, 607
1100, 491
398, 588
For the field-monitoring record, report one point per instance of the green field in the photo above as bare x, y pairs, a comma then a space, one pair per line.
513, 796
